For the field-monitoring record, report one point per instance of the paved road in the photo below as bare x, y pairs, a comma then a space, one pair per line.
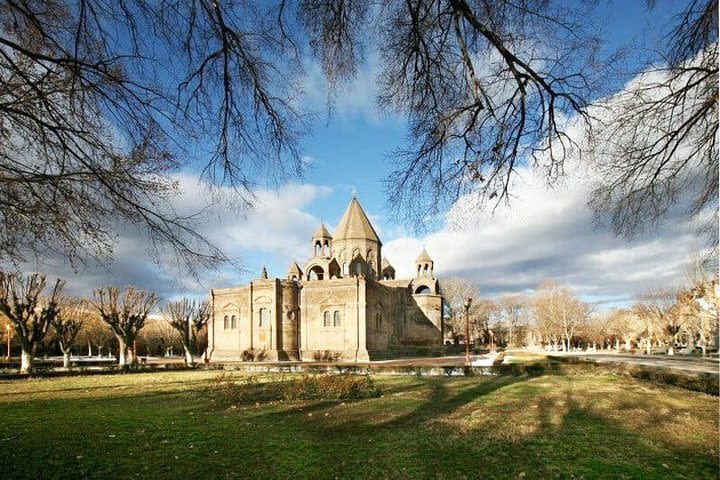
695, 365
686, 364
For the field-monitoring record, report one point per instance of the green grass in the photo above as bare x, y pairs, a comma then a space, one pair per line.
204, 424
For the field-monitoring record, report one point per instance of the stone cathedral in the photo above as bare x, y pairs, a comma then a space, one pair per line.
344, 304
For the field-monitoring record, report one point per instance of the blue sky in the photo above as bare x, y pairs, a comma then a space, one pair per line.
542, 234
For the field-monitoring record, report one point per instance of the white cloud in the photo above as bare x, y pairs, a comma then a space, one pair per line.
546, 232
277, 226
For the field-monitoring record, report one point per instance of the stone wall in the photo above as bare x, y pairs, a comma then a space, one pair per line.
332, 339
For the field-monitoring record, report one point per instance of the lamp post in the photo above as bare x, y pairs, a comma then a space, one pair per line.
7, 330
468, 302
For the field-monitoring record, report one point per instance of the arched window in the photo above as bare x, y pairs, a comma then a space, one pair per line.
316, 273
336, 319
233, 323
358, 268
263, 317
294, 278
226, 323
423, 290
326, 319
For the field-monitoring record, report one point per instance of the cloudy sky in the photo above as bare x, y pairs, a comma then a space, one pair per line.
546, 232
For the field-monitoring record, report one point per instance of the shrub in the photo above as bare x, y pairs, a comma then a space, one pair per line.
305, 387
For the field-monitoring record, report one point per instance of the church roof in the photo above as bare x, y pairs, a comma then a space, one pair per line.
294, 269
321, 232
386, 264
423, 257
355, 224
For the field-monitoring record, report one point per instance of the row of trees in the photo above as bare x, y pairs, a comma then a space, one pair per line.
111, 318
555, 318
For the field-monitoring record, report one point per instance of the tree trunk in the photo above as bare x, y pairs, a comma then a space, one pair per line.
671, 349
66, 359
89, 349
188, 356
26, 362
123, 353
647, 347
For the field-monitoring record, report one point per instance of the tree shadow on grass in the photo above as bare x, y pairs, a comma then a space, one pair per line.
566, 436
424, 437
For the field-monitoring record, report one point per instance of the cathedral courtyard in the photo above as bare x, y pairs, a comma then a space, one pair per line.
217, 424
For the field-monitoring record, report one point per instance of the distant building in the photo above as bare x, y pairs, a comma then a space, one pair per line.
344, 304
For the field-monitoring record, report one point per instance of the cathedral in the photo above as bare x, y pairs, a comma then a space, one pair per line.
344, 304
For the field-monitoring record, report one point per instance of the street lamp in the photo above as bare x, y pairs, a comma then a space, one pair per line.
7, 329
468, 302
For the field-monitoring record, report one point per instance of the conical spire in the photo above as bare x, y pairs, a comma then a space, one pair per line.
321, 232
423, 257
294, 269
355, 224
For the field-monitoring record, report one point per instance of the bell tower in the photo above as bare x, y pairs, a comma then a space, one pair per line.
321, 242
424, 265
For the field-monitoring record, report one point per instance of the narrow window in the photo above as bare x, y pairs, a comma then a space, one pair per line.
336, 319
345, 268
263, 317
226, 323
358, 268
326, 319
233, 323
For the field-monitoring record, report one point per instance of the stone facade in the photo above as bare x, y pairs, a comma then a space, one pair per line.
345, 304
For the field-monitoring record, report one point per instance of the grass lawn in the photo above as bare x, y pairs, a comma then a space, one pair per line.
205, 424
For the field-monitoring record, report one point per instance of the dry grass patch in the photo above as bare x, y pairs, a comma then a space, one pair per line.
234, 425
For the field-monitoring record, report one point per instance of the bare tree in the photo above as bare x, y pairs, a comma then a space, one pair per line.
30, 312
511, 311
558, 312
72, 314
125, 312
101, 101
483, 319
158, 337
697, 309
656, 145
95, 332
655, 309
625, 325
454, 291
187, 317
485, 88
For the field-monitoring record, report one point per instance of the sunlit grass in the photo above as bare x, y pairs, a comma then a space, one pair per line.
191, 425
